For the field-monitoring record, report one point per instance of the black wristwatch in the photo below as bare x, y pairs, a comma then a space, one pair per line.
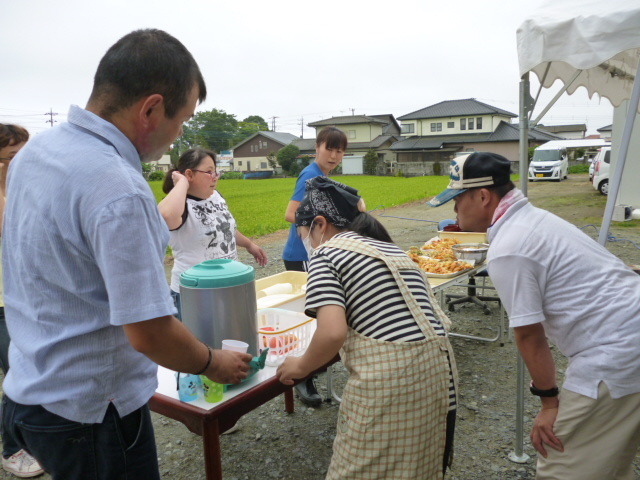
552, 392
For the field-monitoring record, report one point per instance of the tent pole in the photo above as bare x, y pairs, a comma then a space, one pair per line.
523, 161
518, 455
614, 181
534, 123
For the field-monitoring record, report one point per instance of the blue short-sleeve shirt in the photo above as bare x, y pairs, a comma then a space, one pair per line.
83, 249
294, 250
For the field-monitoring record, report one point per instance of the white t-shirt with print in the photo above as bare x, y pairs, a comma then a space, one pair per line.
208, 232
588, 301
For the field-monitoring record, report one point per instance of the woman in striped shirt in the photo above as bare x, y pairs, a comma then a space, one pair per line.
374, 306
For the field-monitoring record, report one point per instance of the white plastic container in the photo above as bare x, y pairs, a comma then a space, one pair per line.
289, 292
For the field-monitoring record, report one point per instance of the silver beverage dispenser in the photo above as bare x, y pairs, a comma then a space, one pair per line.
218, 299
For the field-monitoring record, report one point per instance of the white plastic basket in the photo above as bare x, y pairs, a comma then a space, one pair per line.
284, 332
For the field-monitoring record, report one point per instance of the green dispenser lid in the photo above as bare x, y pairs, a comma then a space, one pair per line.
217, 273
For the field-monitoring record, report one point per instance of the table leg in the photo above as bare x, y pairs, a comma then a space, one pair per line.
288, 400
211, 445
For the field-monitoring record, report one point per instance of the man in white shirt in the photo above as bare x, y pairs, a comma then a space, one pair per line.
556, 282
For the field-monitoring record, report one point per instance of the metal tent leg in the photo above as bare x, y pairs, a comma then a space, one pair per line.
518, 455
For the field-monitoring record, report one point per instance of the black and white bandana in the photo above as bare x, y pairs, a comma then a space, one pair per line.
335, 201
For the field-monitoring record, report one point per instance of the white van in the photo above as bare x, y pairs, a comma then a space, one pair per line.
549, 163
601, 170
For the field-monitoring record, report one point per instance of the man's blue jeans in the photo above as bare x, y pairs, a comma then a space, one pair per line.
9, 445
116, 449
178, 304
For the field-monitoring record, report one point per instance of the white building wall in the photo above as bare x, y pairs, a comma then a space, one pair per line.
423, 126
353, 165
629, 192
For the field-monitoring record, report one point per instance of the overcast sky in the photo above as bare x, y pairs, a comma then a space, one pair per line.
290, 59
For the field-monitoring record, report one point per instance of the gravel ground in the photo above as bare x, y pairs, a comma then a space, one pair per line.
272, 444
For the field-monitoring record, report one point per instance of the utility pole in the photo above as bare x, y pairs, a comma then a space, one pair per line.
301, 127
353, 111
273, 124
51, 114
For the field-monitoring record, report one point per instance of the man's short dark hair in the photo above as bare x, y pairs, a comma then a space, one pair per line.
142, 63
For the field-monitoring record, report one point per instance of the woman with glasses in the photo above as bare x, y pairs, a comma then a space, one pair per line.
201, 226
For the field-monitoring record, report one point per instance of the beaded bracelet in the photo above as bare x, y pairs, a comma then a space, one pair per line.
206, 367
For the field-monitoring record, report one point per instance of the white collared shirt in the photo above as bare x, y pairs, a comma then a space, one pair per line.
588, 301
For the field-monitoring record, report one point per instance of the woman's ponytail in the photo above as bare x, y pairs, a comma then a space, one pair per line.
367, 226
167, 184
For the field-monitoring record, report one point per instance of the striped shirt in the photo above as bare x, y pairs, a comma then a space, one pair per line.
368, 292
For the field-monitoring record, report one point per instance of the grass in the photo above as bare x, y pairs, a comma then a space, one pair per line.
580, 168
590, 199
258, 205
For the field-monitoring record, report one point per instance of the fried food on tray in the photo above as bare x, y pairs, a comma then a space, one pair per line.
437, 257
440, 267
440, 249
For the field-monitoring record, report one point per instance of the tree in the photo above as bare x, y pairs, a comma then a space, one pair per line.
301, 162
271, 158
371, 162
258, 120
214, 129
287, 159
245, 130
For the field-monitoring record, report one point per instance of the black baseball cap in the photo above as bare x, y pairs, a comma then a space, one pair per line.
478, 169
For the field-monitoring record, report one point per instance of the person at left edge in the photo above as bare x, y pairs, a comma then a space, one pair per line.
86, 298
14, 459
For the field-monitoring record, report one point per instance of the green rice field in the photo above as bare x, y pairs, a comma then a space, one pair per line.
259, 205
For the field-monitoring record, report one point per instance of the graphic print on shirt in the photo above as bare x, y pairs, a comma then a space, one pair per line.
216, 225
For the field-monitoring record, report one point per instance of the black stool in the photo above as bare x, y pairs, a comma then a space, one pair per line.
471, 297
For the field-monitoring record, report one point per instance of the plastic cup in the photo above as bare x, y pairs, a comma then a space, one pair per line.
235, 345
213, 392
188, 387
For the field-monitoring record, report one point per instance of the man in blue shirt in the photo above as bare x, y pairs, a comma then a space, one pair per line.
86, 299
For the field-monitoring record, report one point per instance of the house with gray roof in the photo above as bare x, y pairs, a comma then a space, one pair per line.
364, 132
250, 155
606, 132
432, 136
574, 131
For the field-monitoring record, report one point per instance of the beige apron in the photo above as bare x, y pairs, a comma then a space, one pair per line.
392, 420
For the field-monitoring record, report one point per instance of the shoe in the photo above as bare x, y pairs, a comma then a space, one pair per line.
308, 393
22, 465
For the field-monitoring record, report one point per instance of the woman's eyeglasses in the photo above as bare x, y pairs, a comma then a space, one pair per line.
211, 174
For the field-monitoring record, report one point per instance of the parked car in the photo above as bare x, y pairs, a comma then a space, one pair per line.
549, 163
592, 165
601, 170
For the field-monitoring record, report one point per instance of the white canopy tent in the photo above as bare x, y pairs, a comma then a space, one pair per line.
583, 43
